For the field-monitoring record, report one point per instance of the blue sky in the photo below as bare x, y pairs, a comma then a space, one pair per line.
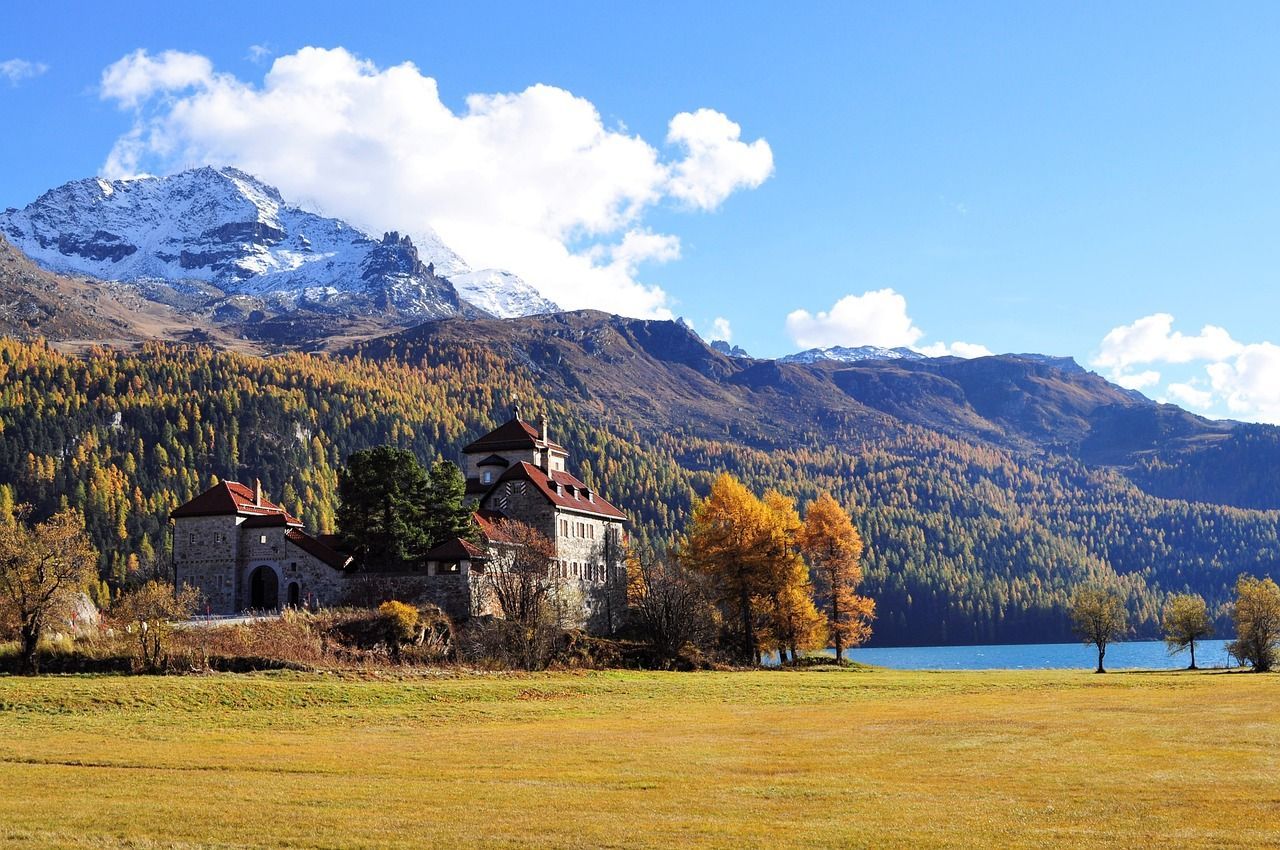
1023, 177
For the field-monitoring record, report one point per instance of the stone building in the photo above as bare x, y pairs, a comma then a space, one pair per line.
244, 552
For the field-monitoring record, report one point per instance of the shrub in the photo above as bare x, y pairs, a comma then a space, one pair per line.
147, 613
401, 621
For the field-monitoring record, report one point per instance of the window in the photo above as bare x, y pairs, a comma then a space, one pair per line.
262, 538
591, 532
191, 539
487, 477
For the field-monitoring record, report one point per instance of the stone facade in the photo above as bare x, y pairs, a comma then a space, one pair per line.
243, 554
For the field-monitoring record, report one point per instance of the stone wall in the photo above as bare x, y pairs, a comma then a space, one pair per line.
205, 550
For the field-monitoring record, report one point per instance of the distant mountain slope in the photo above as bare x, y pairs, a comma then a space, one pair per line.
660, 374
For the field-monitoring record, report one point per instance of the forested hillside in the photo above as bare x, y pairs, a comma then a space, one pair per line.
970, 539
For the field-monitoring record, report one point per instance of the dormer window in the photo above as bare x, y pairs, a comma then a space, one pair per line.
487, 477
591, 497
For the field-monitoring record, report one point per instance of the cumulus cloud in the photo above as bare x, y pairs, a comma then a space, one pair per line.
1137, 380
878, 317
1188, 395
967, 350
17, 70
1238, 379
1152, 339
140, 75
530, 181
720, 329
718, 162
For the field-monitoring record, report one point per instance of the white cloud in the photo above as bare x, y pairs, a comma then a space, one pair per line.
1249, 384
1137, 380
1241, 380
718, 161
967, 350
17, 70
139, 75
1188, 395
878, 317
720, 329
1152, 339
530, 181
259, 53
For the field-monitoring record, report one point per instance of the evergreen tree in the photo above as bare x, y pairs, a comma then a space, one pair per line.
381, 511
447, 515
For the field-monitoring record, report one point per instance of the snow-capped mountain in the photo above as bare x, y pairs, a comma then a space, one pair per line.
841, 354
501, 293
226, 229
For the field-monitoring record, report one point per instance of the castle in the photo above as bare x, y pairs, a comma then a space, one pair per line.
242, 551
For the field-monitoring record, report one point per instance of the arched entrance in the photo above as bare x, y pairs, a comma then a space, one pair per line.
295, 595
264, 589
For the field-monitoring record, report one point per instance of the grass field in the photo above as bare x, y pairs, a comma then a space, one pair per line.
763, 759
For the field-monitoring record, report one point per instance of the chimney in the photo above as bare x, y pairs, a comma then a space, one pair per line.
515, 410
257, 492
542, 427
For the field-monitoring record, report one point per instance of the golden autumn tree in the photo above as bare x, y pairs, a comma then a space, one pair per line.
42, 570
726, 542
833, 549
790, 620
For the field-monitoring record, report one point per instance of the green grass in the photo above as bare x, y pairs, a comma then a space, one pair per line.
832, 758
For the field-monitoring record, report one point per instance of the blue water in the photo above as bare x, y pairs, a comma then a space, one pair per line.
1130, 655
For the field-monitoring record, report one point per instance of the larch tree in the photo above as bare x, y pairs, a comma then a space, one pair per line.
789, 618
1099, 617
42, 570
725, 542
1256, 613
833, 549
1185, 621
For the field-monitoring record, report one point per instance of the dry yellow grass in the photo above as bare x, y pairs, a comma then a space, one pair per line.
767, 759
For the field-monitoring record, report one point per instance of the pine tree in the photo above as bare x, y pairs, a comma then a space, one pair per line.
447, 516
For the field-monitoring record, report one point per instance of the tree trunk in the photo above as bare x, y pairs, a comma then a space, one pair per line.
30, 635
835, 624
750, 650
1193, 655
1102, 651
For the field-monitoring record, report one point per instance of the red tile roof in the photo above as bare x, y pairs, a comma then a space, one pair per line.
571, 494
488, 521
231, 498
456, 549
512, 434
307, 543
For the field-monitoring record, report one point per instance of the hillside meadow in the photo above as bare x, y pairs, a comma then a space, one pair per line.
834, 758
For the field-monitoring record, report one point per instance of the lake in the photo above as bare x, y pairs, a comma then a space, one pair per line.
1138, 654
